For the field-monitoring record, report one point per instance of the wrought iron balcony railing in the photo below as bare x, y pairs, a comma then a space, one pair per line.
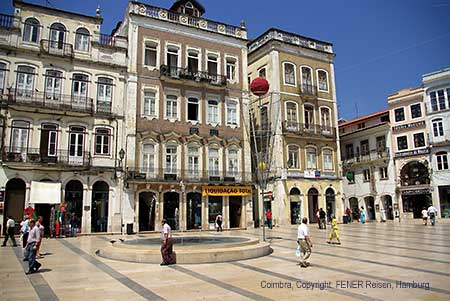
57, 48
309, 129
7, 21
191, 75
53, 101
373, 155
46, 157
106, 40
308, 90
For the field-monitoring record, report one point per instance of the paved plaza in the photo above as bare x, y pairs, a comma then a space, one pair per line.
375, 262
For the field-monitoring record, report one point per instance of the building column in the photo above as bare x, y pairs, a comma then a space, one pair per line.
183, 208
160, 208
136, 211
87, 203
226, 211
205, 222
27, 195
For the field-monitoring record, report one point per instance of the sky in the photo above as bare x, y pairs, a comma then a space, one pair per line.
381, 46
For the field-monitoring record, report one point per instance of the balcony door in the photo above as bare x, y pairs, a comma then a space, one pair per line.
25, 81
76, 145
172, 61
79, 91
57, 36
19, 137
53, 80
49, 135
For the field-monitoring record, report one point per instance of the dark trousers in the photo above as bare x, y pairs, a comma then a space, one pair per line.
219, 226
322, 223
269, 223
24, 239
167, 252
10, 234
31, 252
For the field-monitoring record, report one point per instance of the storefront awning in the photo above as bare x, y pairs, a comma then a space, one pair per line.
45, 193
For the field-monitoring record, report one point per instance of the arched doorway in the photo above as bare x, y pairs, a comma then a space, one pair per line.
414, 174
387, 203
296, 206
14, 202
370, 207
171, 209
147, 204
353, 202
330, 200
99, 210
194, 210
74, 200
313, 205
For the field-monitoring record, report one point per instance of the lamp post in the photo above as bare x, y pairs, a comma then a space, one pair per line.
121, 156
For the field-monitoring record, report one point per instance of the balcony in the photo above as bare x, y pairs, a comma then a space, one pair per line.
57, 48
197, 77
104, 108
53, 101
9, 22
36, 156
372, 156
308, 129
308, 91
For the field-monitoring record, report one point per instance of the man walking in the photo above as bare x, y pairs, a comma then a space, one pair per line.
322, 219
432, 212
9, 233
33, 240
219, 220
167, 244
304, 241
425, 216
269, 218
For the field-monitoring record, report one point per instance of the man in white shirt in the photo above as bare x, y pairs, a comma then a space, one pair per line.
425, 216
304, 241
432, 212
9, 233
167, 244
33, 240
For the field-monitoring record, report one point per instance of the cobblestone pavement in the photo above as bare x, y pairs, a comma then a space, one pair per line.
375, 262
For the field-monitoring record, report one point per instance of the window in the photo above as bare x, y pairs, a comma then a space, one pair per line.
212, 64
262, 73
381, 143
76, 145
213, 112
322, 78
25, 81
366, 173
2, 77
441, 99
419, 140
82, 39
311, 158
104, 94
442, 161
79, 87
192, 61
327, 159
151, 54
402, 143
291, 115
416, 110
399, 114
53, 84
148, 158
349, 151
361, 125
307, 83
57, 36
192, 109
309, 116
293, 157
193, 162
289, 74
19, 136
364, 146
383, 173
172, 106
102, 141
171, 159
325, 119
438, 128
49, 134
448, 97
172, 60
150, 103
31, 30
231, 112
231, 69
433, 101
264, 117
213, 154
233, 162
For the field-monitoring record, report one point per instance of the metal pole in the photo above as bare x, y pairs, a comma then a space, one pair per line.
261, 164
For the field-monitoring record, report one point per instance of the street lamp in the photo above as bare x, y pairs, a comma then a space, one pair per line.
121, 156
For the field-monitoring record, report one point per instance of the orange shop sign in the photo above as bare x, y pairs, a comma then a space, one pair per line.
226, 190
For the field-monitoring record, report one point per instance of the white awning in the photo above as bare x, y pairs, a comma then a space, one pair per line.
45, 193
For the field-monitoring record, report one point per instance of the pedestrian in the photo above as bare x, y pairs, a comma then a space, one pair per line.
32, 244
334, 231
73, 224
432, 212
348, 213
269, 218
41, 229
322, 219
167, 254
383, 214
304, 242
425, 216
9, 231
362, 215
52, 222
219, 221
25, 230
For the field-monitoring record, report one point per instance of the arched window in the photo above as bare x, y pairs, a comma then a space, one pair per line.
193, 168
82, 39
327, 159
104, 94
442, 161
289, 73
322, 80
307, 80
293, 157
311, 158
31, 30
325, 119
57, 35
291, 115
25, 81
214, 161
308, 117
80, 87
148, 158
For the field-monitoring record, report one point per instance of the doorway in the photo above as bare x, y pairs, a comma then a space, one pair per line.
194, 210
74, 199
370, 207
44, 210
235, 207
313, 205
295, 206
47, 150
14, 202
387, 203
99, 210
147, 204
171, 209
330, 199
214, 209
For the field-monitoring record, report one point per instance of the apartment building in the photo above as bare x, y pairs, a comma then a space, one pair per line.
437, 104
411, 151
300, 115
188, 157
62, 85
368, 166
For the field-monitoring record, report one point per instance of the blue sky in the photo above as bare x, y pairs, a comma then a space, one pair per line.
381, 46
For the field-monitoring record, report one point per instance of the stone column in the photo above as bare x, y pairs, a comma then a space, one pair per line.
27, 196
205, 223
160, 207
226, 212
87, 201
183, 208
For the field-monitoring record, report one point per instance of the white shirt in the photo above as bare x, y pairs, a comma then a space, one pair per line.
10, 223
166, 230
432, 209
35, 235
424, 213
302, 231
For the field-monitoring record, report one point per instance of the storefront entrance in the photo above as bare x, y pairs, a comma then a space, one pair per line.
99, 210
444, 199
171, 209
354, 208
414, 203
330, 199
147, 204
370, 207
295, 206
235, 211
194, 210
313, 205
74, 199
214, 209
14, 202
44, 210
387, 203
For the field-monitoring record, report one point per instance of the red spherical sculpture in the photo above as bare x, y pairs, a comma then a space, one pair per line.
259, 86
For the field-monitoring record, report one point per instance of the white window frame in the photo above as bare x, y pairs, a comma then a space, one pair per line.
407, 143
227, 102
3, 76
284, 74
175, 164
147, 169
199, 57
313, 122
329, 126
236, 66
215, 54
155, 90
297, 160
158, 53
85, 40
191, 172
307, 167
442, 156
301, 74
424, 139
177, 94
110, 142
383, 172
38, 31
324, 150
366, 175
199, 104
404, 114
436, 122
213, 172
235, 171
410, 110
175, 45
318, 81
219, 105
287, 119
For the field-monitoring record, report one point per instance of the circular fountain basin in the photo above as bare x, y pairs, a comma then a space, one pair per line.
188, 249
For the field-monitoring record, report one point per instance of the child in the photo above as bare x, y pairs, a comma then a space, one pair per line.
334, 232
